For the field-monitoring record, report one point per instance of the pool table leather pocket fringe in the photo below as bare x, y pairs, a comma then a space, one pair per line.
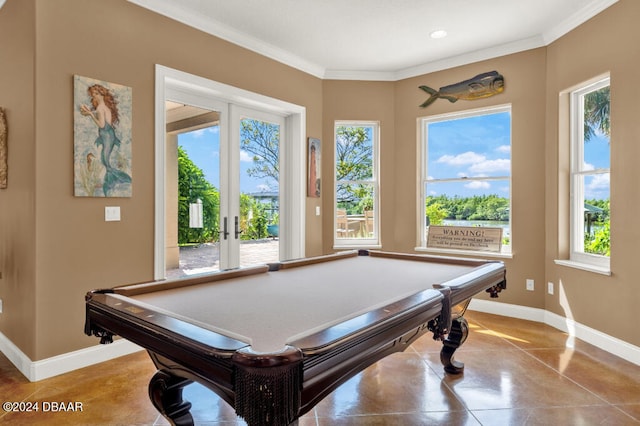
268, 396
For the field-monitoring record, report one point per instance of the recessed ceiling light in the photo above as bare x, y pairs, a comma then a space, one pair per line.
438, 34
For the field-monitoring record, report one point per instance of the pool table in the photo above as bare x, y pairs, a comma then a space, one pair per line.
274, 340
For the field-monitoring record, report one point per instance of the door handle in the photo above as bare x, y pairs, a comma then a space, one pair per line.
238, 231
225, 231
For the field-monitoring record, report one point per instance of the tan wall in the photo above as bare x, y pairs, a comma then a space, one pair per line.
607, 43
17, 201
524, 75
395, 105
55, 247
75, 249
365, 100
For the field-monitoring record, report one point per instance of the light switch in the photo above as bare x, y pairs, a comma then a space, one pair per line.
317, 210
112, 214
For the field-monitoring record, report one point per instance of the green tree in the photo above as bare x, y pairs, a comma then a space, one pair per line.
435, 212
601, 241
253, 218
478, 207
193, 186
262, 140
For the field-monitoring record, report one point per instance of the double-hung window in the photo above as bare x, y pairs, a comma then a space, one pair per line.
465, 173
590, 174
356, 171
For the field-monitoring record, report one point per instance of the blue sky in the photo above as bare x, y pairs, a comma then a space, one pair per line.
203, 148
597, 155
480, 146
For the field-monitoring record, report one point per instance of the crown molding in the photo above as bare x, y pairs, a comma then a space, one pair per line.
472, 57
174, 11
580, 17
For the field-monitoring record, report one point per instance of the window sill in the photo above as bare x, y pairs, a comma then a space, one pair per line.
603, 270
483, 254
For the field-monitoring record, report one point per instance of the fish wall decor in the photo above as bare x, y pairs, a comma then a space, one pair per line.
481, 86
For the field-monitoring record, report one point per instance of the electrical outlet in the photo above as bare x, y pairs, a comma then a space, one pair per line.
550, 287
530, 285
0, 306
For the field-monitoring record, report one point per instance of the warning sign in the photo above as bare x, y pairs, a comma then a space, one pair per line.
474, 238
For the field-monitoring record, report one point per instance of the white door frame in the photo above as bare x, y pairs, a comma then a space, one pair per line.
292, 172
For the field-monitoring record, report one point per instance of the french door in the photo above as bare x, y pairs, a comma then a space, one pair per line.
250, 205
232, 154
278, 204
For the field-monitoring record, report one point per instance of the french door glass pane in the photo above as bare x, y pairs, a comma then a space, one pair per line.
196, 196
259, 169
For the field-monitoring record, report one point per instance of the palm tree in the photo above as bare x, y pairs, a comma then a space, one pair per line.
597, 107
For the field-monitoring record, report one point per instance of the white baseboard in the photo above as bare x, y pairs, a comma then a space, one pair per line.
39, 370
60, 364
574, 329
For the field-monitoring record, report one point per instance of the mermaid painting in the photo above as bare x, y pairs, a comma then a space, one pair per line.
105, 115
102, 138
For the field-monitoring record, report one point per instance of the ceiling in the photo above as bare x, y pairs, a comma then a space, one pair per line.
381, 39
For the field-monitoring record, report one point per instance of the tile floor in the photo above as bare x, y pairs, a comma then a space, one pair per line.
517, 373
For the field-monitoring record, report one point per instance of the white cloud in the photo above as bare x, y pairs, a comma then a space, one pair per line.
491, 166
245, 156
478, 163
477, 184
504, 148
599, 182
463, 159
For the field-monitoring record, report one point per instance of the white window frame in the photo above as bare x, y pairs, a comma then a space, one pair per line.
423, 179
577, 175
292, 153
374, 241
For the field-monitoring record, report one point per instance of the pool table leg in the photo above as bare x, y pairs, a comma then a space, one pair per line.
456, 337
165, 391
